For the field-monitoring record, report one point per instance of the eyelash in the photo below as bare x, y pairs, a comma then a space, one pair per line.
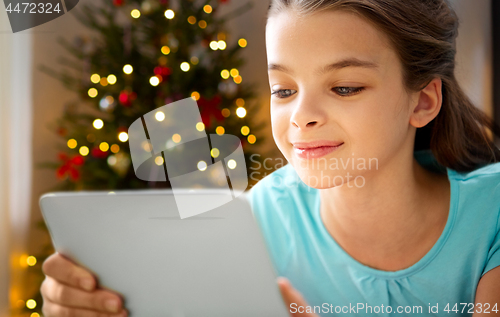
353, 91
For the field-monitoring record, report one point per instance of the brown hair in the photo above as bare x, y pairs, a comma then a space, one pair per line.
423, 34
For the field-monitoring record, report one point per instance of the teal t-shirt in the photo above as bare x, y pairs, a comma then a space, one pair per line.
302, 250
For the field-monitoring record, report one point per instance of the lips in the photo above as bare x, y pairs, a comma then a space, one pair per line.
315, 149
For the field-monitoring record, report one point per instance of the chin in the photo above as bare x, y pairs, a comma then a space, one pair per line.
320, 179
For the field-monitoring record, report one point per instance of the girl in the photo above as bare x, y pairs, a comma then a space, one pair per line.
390, 202
417, 230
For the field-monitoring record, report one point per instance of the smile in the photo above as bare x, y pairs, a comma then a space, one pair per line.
309, 152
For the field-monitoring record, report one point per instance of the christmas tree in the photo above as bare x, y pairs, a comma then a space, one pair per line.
145, 54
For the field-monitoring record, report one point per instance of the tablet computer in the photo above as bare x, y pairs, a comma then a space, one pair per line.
213, 264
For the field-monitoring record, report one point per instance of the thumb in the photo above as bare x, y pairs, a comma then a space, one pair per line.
291, 296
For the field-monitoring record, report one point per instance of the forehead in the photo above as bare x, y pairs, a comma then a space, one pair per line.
324, 37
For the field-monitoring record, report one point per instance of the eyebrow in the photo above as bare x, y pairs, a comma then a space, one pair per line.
349, 62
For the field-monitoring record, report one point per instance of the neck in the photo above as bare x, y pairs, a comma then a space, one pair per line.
399, 205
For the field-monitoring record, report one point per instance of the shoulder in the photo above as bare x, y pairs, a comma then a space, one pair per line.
478, 197
485, 179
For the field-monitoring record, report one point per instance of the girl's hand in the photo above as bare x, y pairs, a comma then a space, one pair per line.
292, 296
70, 290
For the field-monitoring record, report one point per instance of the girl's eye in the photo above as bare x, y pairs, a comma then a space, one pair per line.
341, 91
347, 91
282, 93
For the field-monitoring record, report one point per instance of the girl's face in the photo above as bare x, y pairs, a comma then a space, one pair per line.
338, 105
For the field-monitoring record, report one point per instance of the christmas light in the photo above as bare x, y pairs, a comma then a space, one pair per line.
95, 78
31, 260
195, 95
72, 143
242, 42
135, 13
92, 92
104, 81
162, 60
219, 130
234, 72
98, 124
23, 260
185, 66
214, 45
222, 45
112, 160
194, 60
251, 139
221, 36
165, 50
128, 69
202, 165
202, 24
154, 81
245, 130
241, 112
231, 164
207, 8
176, 138
159, 160
30, 303
238, 79
84, 151
225, 112
35, 315
200, 126
115, 148
123, 136
240, 102
112, 79
192, 20
104, 146
169, 14
215, 152
224, 74
160, 116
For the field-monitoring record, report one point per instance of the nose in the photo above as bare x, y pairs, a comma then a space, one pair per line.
307, 116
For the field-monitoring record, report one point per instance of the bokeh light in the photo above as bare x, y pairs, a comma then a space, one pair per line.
128, 69
84, 151
169, 14
123, 136
72, 143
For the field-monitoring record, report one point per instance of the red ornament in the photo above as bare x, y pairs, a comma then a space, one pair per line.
223, 1
97, 153
69, 166
209, 109
165, 71
118, 2
126, 97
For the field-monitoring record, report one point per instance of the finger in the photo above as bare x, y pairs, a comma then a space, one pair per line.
51, 309
292, 296
64, 295
65, 271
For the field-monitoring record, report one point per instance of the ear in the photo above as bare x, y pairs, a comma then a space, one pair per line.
429, 104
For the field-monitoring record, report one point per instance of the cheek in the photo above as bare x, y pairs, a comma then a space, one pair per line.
279, 123
383, 126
